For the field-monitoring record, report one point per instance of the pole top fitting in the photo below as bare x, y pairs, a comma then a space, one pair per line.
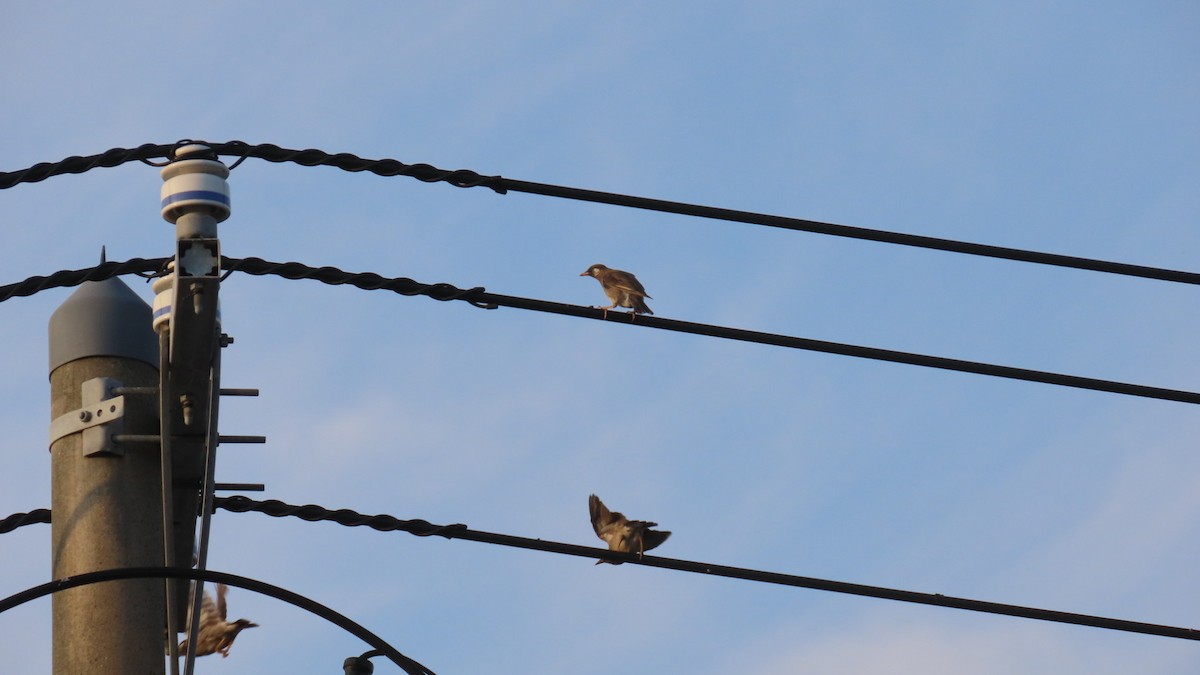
102, 318
191, 150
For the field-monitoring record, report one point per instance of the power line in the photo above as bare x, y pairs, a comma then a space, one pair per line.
423, 528
833, 229
22, 519
479, 297
272, 153
380, 646
68, 278
467, 178
385, 523
873, 353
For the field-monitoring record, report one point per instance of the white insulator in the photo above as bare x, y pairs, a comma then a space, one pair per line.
195, 185
163, 307
164, 291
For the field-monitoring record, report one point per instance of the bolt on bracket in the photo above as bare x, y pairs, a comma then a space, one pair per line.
100, 418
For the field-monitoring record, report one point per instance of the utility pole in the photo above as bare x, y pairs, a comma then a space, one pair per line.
105, 489
133, 439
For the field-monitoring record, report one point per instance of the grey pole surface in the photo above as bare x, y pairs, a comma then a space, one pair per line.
105, 494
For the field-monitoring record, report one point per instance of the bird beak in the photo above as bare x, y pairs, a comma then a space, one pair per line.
251, 625
583, 273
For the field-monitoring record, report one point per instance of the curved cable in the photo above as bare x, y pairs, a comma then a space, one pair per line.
345, 623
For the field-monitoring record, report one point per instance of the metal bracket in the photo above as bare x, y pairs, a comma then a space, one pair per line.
240, 487
99, 419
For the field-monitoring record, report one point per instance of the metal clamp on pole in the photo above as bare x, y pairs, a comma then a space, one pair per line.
100, 419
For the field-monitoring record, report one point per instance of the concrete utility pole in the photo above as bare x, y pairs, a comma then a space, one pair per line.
105, 492
133, 438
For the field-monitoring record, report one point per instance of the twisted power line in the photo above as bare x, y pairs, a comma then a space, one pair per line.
479, 297
68, 278
266, 151
466, 178
385, 523
423, 528
34, 517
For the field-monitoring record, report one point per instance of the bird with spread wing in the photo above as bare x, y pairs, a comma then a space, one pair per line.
216, 634
622, 534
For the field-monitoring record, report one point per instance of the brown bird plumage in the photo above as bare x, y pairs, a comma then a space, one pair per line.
621, 287
622, 534
216, 634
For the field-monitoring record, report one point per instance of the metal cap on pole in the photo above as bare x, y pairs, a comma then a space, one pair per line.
102, 318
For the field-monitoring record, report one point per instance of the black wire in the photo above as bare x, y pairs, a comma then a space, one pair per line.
345, 623
266, 151
466, 178
16, 520
833, 229
479, 297
385, 523
873, 353
423, 528
368, 281
68, 278
76, 164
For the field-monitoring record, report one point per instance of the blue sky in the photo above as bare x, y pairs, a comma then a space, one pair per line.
1067, 127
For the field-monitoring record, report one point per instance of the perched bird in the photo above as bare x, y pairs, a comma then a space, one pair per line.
621, 287
215, 634
622, 534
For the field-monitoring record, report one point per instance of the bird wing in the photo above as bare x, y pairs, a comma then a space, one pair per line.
625, 281
208, 617
212, 617
653, 538
602, 518
222, 589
